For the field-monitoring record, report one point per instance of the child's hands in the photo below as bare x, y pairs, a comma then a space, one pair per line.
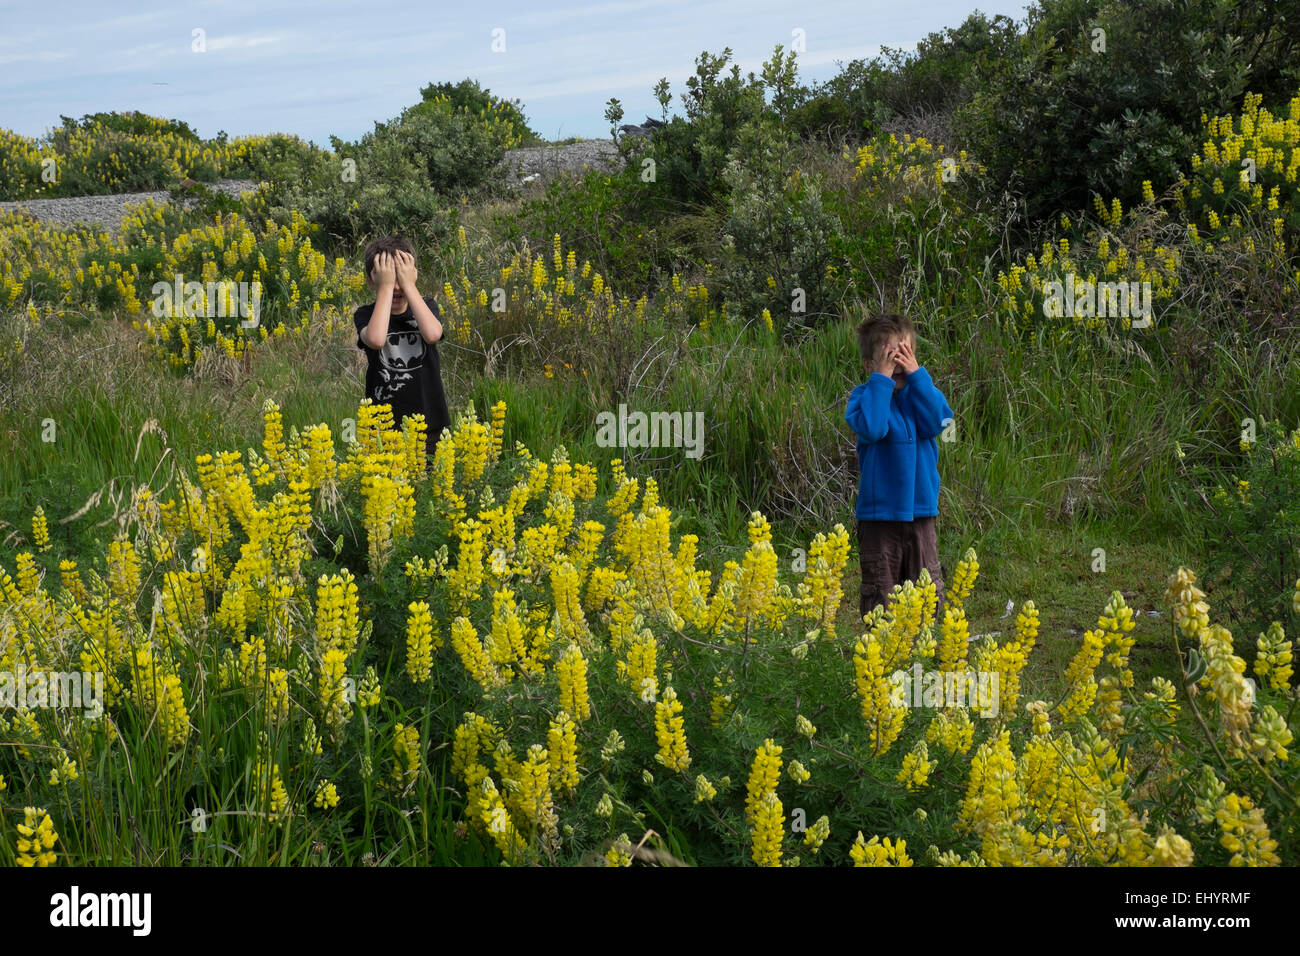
406, 272
384, 271
887, 362
905, 357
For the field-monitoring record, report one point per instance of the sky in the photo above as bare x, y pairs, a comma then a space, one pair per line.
321, 67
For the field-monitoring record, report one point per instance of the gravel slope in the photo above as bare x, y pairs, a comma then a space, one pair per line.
519, 166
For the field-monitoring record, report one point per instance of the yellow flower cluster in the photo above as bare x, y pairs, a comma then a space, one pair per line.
819, 594
539, 620
1273, 658
915, 772
963, 579
571, 672
1109, 282
420, 643
36, 838
1249, 165
875, 852
406, 751
884, 161
227, 285
270, 793
670, 732
531, 289
40, 530
113, 158
562, 751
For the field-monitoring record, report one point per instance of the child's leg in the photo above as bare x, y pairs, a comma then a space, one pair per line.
880, 554
923, 552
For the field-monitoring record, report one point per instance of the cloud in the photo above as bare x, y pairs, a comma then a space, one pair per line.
41, 56
236, 42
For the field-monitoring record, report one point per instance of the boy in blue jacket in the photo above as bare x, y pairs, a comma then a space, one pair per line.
897, 415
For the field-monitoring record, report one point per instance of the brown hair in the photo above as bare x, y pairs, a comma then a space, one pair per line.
385, 244
875, 331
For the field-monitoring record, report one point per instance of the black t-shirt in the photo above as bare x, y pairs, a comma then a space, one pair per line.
405, 373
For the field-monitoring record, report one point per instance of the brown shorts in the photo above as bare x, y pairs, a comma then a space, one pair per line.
892, 552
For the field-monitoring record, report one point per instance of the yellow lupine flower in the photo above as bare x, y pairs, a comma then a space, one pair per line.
874, 852
704, 790
36, 838
326, 797
1273, 658
407, 751
884, 721
420, 642
670, 733
954, 644
768, 830
562, 750
40, 530
963, 579
335, 708
915, 772
764, 775
817, 834
571, 671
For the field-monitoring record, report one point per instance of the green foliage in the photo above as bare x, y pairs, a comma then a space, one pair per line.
691, 153
404, 175
776, 245
469, 98
941, 73
130, 123
1252, 534
107, 153
277, 158
916, 230
368, 189
1073, 111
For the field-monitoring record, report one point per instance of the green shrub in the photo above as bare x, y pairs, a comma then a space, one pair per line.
940, 74
1096, 97
776, 246
1253, 530
105, 153
469, 98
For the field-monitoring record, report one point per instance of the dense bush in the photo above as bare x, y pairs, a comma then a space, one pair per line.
916, 232
107, 153
405, 175
777, 237
942, 72
469, 98
1253, 535
278, 158
1248, 164
1096, 97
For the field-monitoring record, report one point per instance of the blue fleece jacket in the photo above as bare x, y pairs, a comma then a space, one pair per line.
898, 451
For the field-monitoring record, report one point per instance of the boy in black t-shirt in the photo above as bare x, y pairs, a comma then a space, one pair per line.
397, 332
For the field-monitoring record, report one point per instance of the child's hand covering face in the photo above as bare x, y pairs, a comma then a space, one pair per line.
405, 268
385, 269
887, 362
906, 357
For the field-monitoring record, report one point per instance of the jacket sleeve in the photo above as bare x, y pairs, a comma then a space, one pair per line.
868, 411
931, 407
